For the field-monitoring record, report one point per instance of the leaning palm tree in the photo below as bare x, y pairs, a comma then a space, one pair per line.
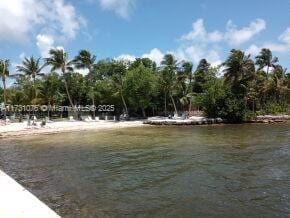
4, 72
32, 68
266, 59
168, 78
58, 60
86, 60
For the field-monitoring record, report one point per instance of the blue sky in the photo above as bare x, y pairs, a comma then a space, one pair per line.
144, 28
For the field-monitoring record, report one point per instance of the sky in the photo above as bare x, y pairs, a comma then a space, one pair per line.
125, 29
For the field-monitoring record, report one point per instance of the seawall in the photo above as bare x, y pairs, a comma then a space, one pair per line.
17, 202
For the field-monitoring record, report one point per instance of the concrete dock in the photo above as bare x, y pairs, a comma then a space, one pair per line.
17, 202
182, 122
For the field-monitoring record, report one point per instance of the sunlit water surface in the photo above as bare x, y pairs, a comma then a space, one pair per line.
198, 171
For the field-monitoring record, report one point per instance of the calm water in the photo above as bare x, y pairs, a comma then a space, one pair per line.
201, 171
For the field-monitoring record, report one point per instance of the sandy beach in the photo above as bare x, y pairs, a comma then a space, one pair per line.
21, 129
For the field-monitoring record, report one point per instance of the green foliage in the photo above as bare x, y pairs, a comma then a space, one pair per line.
140, 86
275, 108
1, 95
201, 75
234, 109
239, 70
213, 98
143, 88
250, 115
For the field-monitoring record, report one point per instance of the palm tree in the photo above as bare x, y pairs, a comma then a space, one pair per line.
32, 68
86, 60
266, 59
118, 70
239, 71
4, 71
201, 75
185, 78
168, 78
58, 60
279, 83
187, 71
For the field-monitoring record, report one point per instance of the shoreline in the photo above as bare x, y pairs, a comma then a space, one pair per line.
15, 130
195, 120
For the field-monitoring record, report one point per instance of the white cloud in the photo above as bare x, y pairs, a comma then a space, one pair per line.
123, 8
155, 55
44, 44
126, 57
193, 53
282, 46
20, 18
213, 57
66, 18
215, 36
198, 32
285, 36
237, 36
253, 50
199, 43
17, 19
82, 71
22, 56
276, 47
197, 52
233, 35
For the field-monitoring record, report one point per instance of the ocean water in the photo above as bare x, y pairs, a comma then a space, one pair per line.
197, 171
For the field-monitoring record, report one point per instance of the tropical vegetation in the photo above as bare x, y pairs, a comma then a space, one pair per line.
238, 89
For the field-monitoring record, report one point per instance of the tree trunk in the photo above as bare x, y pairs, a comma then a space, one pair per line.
165, 105
143, 112
34, 92
189, 109
124, 103
94, 111
67, 92
48, 110
4, 95
173, 104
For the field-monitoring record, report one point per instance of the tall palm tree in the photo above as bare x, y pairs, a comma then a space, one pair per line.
201, 75
168, 78
58, 60
279, 83
185, 77
118, 70
187, 71
86, 60
239, 69
4, 71
32, 68
266, 59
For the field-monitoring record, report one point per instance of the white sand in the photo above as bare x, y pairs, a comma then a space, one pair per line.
20, 129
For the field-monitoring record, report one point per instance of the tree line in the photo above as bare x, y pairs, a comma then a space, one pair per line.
238, 89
